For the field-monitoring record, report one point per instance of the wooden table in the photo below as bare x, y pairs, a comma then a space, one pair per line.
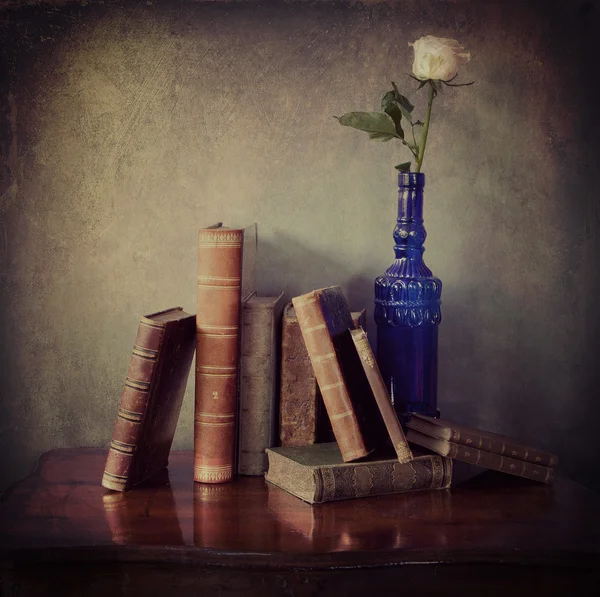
63, 534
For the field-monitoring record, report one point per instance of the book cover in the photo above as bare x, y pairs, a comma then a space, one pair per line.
480, 439
151, 400
261, 317
361, 370
225, 276
303, 419
488, 460
318, 473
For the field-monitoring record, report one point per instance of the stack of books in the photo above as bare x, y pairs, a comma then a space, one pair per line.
303, 377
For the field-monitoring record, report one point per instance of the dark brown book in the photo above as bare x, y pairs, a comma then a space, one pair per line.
318, 474
302, 416
223, 282
151, 400
488, 460
482, 440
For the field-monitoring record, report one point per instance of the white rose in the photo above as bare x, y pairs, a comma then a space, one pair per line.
437, 58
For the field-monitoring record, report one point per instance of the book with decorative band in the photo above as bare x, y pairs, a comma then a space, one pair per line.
318, 474
151, 400
221, 286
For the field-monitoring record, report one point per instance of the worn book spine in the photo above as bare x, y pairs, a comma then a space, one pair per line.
380, 393
303, 420
328, 373
258, 373
488, 460
339, 482
217, 353
482, 440
133, 406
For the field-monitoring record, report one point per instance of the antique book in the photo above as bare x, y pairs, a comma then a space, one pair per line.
482, 440
318, 474
261, 317
226, 259
362, 373
488, 460
355, 416
302, 416
151, 400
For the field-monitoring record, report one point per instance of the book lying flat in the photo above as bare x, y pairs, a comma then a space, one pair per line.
482, 440
488, 460
318, 474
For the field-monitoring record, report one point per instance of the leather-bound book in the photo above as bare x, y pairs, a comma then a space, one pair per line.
357, 421
318, 474
482, 440
488, 460
303, 419
361, 371
223, 281
151, 400
261, 317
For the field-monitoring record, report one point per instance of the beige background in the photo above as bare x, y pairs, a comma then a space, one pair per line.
127, 126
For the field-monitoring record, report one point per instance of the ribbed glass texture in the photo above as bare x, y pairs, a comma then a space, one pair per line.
407, 310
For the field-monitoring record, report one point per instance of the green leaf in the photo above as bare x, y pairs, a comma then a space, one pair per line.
390, 106
370, 122
383, 137
403, 103
405, 167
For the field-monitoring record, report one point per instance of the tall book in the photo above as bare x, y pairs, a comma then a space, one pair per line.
318, 473
302, 416
151, 400
480, 439
356, 418
225, 277
261, 318
488, 460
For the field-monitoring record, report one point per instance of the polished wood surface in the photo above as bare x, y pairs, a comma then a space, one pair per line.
61, 515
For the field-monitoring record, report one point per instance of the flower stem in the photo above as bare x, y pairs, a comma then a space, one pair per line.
425, 128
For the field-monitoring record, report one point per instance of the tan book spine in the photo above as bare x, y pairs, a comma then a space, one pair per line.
482, 440
326, 483
217, 352
380, 393
482, 458
257, 425
329, 376
133, 405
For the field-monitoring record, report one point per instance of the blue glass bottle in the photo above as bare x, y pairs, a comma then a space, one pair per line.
407, 310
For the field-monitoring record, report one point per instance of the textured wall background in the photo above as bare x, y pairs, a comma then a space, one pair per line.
126, 127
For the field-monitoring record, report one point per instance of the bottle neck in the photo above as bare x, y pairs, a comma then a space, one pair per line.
409, 233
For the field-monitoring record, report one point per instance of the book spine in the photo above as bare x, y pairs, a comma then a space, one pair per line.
257, 386
329, 377
217, 353
382, 478
501, 463
503, 446
133, 405
380, 393
299, 406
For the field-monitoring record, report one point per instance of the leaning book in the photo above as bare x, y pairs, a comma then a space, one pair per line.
151, 400
317, 473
